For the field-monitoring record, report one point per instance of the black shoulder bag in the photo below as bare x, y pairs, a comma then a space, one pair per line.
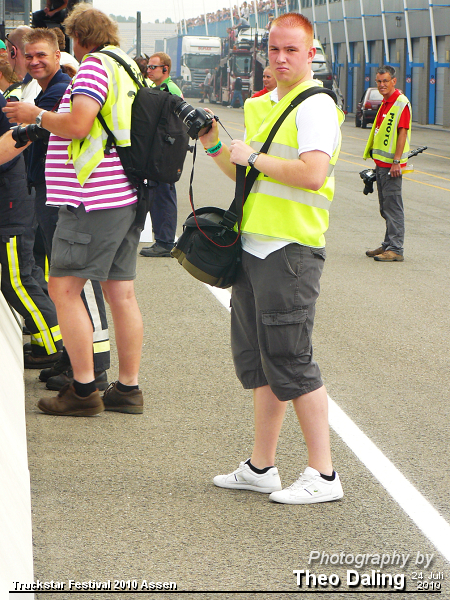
209, 247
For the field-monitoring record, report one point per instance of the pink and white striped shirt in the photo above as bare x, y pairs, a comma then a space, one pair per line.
107, 186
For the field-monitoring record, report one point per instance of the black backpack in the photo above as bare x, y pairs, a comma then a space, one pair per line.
159, 141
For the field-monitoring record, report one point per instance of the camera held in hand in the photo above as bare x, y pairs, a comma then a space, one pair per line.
30, 133
368, 176
196, 120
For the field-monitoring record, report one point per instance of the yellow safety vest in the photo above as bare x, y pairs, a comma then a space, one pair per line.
275, 209
384, 142
13, 91
88, 153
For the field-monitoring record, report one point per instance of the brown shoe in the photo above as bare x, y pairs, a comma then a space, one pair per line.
30, 361
389, 256
126, 402
68, 404
372, 253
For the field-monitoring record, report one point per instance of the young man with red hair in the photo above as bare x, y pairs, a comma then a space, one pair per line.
273, 299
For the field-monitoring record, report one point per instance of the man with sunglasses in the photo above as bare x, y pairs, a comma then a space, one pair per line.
163, 208
158, 71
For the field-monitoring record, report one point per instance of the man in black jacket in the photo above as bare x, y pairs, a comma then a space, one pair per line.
22, 282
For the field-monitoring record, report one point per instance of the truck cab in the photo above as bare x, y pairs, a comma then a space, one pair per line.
242, 59
199, 54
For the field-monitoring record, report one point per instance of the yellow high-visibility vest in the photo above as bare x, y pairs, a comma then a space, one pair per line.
88, 153
384, 142
275, 209
13, 91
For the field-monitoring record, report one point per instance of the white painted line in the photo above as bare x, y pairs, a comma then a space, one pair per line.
424, 515
223, 296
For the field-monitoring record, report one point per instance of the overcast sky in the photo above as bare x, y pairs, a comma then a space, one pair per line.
158, 9
161, 9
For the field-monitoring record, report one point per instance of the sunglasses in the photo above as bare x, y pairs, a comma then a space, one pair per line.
153, 67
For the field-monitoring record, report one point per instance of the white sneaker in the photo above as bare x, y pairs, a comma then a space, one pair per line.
246, 479
309, 488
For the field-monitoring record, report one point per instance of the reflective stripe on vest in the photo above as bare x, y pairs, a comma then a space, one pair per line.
286, 152
88, 153
383, 143
275, 209
14, 91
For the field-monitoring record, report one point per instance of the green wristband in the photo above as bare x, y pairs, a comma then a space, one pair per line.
215, 148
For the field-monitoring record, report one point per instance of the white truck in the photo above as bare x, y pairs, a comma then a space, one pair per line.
191, 57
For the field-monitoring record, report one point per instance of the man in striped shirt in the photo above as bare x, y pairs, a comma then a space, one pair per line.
96, 236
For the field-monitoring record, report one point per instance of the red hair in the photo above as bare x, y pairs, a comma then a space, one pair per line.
295, 20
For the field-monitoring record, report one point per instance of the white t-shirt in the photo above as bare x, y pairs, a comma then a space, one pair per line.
30, 90
317, 129
68, 59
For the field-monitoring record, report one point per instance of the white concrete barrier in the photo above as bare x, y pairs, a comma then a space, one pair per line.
16, 550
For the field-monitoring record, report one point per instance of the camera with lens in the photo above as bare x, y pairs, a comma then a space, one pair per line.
368, 176
196, 120
30, 133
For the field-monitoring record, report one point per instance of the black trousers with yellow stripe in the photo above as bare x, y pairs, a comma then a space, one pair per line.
94, 302
20, 284
91, 295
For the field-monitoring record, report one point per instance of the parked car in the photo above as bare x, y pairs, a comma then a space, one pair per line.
322, 70
367, 107
319, 48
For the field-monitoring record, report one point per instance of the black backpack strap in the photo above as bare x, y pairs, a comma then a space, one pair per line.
12, 87
111, 140
125, 65
245, 184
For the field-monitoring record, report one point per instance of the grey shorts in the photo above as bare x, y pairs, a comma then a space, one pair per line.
99, 245
272, 317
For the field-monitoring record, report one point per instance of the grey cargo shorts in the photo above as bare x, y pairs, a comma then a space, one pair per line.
272, 317
99, 245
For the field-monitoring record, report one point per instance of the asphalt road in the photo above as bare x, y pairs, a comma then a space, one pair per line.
130, 497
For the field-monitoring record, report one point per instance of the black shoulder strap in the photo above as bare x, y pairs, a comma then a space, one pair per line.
110, 142
11, 88
244, 184
124, 64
